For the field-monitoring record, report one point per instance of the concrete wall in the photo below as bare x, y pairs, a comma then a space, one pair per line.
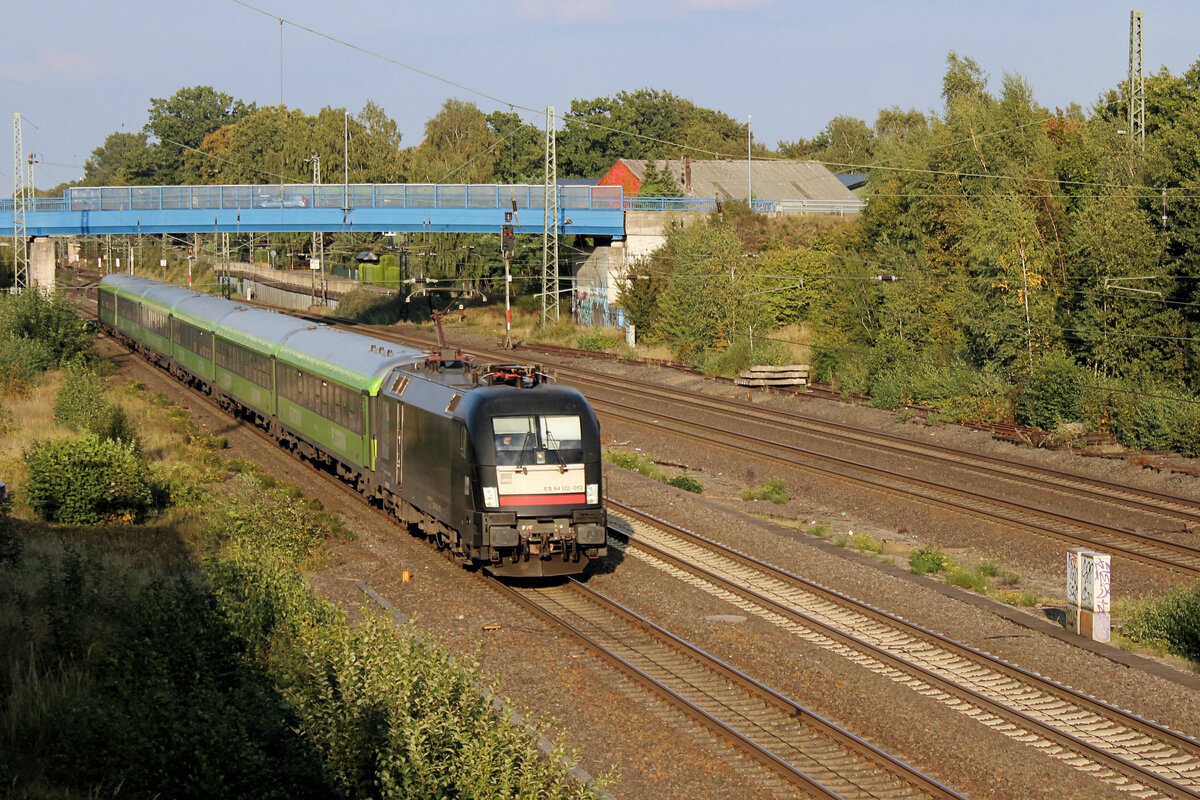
646, 231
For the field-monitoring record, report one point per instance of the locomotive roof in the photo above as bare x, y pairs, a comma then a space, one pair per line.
258, 328
354, 360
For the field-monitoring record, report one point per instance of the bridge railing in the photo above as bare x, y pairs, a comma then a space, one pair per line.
700, 204
386, 195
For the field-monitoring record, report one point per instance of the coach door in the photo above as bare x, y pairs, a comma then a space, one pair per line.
400, 446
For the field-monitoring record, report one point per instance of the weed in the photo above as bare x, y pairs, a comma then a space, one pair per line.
989, 569
1171, 622
926, 560
967, 579
818, 530
866, 543
774, 490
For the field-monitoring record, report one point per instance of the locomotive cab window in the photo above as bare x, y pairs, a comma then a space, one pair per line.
538, 440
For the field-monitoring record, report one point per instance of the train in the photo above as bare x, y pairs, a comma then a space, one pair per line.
494, 462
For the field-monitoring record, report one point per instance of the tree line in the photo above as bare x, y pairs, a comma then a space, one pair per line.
1014, 241
203, 136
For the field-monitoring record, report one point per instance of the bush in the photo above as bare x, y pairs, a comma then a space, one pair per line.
362, 305
22, 360
1052, 393
594, 340
268, 517
52, 321
177, 710
81, 406
87, 480
687, 484
1171, 622
11, 545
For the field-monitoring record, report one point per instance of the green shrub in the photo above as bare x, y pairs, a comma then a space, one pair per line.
177, 711
924, 560
81, 406
1171, 622
268, 517
634, 462
362, 305
595, 340
11, 544
22, 360
51, 321
87, 480
774, 490
687, 484
1052, 393
966, 578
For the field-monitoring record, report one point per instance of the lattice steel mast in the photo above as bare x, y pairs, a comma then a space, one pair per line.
1137, 83
22, 193
550, 224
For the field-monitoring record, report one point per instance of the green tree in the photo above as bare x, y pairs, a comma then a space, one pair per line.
113, 163
520, 149
177, 126
844, 145
458, 147
646, 124
659, 182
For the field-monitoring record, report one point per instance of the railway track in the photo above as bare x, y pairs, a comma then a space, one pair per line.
1108, 743
1143, 548
647, 405
980, 467
789, 745
1119, 769
803, 753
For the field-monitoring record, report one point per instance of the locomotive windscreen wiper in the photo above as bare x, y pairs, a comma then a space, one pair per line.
525, 447
552, 445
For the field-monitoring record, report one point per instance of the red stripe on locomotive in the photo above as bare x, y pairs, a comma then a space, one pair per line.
541, 499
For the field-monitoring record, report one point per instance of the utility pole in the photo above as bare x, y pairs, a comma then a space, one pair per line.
22, 197
749, 166
550, 222
1137, 83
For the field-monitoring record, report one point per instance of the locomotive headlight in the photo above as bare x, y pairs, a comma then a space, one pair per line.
593, 493
491, 497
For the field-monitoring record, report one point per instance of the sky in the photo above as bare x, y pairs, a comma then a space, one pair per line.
77, 71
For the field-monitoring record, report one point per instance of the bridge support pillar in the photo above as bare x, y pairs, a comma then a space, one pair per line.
41, 264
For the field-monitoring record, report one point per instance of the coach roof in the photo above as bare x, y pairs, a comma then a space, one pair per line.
348, 358
264, 331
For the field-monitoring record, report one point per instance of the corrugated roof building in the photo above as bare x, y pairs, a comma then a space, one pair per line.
809, 182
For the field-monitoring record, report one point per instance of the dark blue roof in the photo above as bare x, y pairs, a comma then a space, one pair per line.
853, 180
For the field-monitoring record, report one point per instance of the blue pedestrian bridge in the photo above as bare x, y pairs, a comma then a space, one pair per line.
431, 208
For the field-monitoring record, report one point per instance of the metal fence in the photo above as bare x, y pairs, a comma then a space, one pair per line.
379, 195
703, 205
